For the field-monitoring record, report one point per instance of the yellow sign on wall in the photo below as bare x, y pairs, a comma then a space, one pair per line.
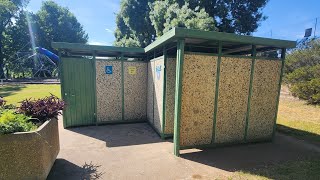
132, 70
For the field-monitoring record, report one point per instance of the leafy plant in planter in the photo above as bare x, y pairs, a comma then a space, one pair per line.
11, 122
43, 108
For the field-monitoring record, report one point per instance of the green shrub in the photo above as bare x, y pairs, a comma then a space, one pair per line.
11, 122
307, 90
303, 73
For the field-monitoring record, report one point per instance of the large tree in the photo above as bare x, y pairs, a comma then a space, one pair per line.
165, 15
18, 42
57, 23
233, 16
51, 23
8, 10
133, 24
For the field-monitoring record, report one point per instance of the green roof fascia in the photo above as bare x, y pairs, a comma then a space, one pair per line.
180, 33
87, 47
230, 37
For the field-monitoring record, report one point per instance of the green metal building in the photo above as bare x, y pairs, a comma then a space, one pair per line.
205, 89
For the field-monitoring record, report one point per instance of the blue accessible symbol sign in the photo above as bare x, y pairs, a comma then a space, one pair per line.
158, 71
108, 69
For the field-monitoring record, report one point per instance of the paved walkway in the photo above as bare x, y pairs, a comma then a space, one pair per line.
134, 151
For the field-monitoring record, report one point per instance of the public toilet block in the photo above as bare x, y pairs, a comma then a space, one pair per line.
205, 89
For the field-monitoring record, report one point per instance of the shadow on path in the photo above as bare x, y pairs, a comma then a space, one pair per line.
121, 134
250, 157
63, 169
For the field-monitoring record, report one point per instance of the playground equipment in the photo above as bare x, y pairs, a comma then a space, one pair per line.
41, 62
42, 57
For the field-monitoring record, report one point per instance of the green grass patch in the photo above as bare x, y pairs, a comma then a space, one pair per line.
301, 169
300, 129
13, 94
296, 118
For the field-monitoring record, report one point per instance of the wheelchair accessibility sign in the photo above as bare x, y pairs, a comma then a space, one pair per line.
108, 69
158, 71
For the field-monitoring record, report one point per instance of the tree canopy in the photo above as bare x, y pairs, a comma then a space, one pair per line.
302, 71
139, 22
51, 23
57, 23
164, 16
8, 10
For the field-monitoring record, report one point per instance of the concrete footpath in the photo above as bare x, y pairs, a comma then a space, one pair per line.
135, 151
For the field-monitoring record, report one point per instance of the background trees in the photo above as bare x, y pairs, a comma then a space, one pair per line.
58, 24
302, 71
164, 16
26, 30
8, 10
135, 16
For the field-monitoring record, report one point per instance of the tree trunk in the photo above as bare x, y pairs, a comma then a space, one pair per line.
1, 57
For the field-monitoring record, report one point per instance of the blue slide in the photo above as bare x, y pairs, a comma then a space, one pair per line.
48, 53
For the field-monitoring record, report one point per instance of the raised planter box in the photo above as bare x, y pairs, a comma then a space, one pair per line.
29, 155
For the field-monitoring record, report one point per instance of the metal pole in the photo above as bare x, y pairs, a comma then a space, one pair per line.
315, 27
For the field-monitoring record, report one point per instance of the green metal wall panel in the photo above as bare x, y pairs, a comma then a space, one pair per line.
78, 92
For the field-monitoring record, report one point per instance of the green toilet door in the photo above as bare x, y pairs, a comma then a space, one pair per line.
77, 88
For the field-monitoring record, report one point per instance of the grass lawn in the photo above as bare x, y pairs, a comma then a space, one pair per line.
295, 118
303, 169
298, 119
13, 94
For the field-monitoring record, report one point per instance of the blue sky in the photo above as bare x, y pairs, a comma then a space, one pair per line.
287, 19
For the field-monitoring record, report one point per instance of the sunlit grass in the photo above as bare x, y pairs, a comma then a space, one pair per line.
13, 94
300, 169
298, 119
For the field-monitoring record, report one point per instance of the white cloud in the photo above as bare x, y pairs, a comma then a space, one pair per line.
100, 43
109, 30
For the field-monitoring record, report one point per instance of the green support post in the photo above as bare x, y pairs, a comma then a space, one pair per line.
283, 57
153, 86
164, 92
122, 85
62, 82
178, 92
94, 87
216, 93
253, 55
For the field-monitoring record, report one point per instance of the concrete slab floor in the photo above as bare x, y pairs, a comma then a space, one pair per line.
135, 151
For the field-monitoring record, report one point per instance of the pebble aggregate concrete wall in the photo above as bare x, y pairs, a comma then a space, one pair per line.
135, 90
264, 99
232, 99
197, 99
199, 123
170, 94
29, 155
108, 87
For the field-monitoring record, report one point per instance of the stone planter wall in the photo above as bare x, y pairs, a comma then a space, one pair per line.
29, 155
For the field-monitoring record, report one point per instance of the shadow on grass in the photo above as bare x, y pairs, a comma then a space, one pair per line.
249, 158
308, 168
8, 90
300, 134
63, 169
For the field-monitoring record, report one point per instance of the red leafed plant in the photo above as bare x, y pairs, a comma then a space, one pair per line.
2, 101
43, 108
